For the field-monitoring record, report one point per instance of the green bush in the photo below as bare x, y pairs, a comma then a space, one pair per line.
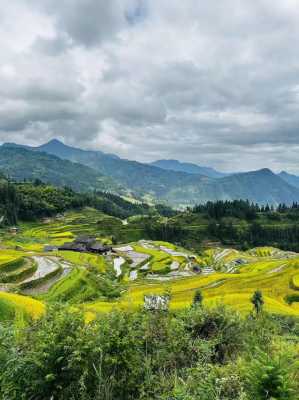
272, 377
201, 354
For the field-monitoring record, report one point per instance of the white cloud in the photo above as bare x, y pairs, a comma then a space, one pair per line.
210, 82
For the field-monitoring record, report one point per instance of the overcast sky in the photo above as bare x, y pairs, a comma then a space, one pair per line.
212, 82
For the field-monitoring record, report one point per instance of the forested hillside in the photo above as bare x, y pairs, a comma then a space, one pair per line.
29, 201
21, 164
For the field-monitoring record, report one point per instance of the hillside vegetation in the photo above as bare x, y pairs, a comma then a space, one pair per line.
29, 201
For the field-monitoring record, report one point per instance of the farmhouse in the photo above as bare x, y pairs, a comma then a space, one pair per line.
98, 247
85, 244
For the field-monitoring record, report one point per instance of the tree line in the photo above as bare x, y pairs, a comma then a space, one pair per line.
29, 201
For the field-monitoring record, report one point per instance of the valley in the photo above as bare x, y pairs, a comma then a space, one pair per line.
121, 279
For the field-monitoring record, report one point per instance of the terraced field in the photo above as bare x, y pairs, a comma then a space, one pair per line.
31, 278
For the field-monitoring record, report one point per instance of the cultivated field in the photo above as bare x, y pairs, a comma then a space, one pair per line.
31, 278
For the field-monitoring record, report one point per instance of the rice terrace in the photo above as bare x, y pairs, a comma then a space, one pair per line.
34, 272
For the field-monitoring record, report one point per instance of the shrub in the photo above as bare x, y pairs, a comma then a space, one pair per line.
272, 377
221, 326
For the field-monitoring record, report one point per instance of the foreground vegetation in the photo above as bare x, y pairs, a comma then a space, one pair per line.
209, 354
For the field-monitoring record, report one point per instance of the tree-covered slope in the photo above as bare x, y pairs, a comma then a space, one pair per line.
29, 201
22, 164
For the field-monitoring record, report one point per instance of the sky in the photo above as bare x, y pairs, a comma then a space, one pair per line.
211, 82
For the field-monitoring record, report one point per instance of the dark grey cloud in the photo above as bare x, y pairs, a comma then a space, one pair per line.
213, 82
90, 22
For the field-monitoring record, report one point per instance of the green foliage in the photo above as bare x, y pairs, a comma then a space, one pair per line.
198, 298
30, 201
201, 354
272, 377
257, 301
220, 326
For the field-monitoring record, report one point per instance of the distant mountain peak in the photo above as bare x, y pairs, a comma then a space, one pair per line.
266, 171
55, 142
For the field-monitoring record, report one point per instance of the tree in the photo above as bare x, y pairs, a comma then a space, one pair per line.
198, 298
272, 378
258, 301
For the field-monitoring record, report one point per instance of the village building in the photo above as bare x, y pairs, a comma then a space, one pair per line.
85, 244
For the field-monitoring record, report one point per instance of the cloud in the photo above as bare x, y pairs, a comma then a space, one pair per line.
213, 82
89, 22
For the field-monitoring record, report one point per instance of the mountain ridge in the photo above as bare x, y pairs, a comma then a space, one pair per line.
20, 163
177, 188
191, 168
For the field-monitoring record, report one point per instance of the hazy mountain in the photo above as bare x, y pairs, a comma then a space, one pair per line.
261, 186
289, 178
190, 168
20, 163
138, 177
175, 187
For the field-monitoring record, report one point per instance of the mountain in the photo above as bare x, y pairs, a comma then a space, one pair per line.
148, 181
289, 178
19, 163
261, 186
190, 168
142, 179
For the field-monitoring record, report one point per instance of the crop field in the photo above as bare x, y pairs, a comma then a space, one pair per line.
31, 277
